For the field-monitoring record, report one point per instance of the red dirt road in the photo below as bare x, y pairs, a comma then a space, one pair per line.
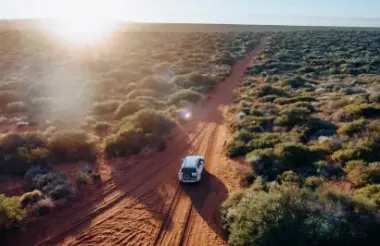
143, 203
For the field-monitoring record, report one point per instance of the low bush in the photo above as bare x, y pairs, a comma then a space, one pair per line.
357, 173
54, 185
360, 174
294, 155
264, 140
142, 92
128, 108
21, 151
130, 141
352, 128
126, 142
72, 145
293, 216
101, 127
357, 111
155, 83
16, 107
43, 207
349, 154
236, 148
290, 177
271, 162
266, 90
294, 115
296, 82
327, 169
185, 95
192, 80
30, 198
151, 121
105, 107
12, 215
313, 182
371, 191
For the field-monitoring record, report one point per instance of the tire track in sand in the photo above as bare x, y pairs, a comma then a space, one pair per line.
160, 165
178, 214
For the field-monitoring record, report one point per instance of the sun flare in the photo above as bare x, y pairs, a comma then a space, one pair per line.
81, 31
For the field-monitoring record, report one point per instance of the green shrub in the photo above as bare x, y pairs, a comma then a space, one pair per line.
20, 151
54, 184
357, 173
256, 124
236, 148
290, 177
265, 162
129, 107
296, 82
142, 92
349, 154
101, 127
292, 116
374, 127
154, 83
314, 182
126, 142
374, 170
293, 216
352, 128
72, 145
266, 90
105, 107
360, 173
30, 198
362, 110
16, 107
264, 140
12, 215
151, 121
371, 191
131, 140
294, 155
284, 101
185, 95
192, 80
327, 170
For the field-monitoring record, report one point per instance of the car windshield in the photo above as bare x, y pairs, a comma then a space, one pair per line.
189, 170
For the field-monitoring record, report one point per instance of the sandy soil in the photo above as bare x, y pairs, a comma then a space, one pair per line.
142, 202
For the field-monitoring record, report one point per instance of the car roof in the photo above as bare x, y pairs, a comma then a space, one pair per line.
191, 161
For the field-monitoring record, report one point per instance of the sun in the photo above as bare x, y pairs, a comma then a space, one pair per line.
81, 31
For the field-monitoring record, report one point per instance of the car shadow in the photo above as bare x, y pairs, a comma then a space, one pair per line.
206, 197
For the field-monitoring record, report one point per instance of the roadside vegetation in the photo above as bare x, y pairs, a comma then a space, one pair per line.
307, 124
60, 104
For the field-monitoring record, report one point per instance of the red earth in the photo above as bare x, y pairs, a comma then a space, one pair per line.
140, 201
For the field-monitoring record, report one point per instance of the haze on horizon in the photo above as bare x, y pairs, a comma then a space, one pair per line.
362, 13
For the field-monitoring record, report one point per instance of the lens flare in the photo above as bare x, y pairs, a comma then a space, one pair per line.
186, 114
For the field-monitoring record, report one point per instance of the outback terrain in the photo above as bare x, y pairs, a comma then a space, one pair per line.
93, 136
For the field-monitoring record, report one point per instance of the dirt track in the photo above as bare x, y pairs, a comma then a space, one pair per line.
143, 203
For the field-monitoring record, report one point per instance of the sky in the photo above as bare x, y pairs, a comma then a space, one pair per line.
266, 12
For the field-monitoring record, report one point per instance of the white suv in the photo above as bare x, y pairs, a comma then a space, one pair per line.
191, 169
